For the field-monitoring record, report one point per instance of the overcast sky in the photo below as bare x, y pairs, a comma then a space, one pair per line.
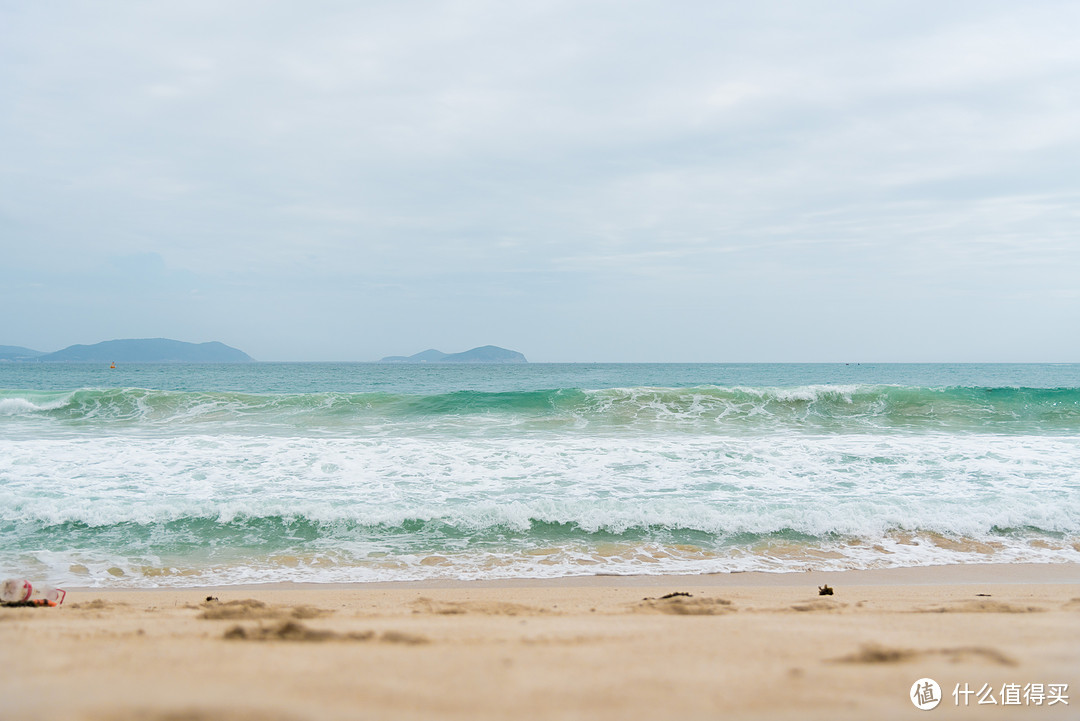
579, 181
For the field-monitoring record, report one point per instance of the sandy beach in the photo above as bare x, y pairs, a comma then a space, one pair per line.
747, 645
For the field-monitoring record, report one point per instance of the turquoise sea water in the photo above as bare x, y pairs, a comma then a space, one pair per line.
188, 474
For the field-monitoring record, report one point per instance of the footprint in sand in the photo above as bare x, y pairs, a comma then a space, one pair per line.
192, 714
684, 605
296, 631
481, 608
874, 653
981, 606
249, 608
97, 608
817, 606
96, 605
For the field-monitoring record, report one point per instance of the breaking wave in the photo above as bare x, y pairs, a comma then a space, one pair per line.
818, 408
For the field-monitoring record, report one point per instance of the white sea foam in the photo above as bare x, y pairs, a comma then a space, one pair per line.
22, 406
101, 568
851, 501
843, 484
11, 406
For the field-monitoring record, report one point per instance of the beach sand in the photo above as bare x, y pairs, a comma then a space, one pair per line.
741, 646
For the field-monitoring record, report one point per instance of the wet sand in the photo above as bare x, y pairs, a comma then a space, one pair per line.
753, 646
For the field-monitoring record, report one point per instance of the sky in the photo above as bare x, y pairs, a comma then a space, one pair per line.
579, 181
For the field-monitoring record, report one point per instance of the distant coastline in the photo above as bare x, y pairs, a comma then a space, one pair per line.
166, 350
132, 350
482, 354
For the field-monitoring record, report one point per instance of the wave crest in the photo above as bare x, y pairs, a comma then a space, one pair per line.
819, 408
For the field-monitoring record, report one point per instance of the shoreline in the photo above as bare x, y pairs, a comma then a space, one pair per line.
950, 574
740, 645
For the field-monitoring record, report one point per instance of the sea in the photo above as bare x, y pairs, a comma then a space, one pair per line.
181, 475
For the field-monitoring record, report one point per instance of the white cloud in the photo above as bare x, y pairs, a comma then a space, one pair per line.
720, 150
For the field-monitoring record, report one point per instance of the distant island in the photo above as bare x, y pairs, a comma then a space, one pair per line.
18, 353
144, 350
483, 354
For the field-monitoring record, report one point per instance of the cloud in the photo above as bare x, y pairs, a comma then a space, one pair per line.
406, 155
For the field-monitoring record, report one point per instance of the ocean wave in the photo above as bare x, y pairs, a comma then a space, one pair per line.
816, 408
234, 508
429, 530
